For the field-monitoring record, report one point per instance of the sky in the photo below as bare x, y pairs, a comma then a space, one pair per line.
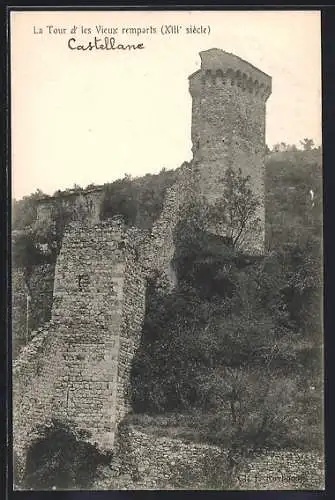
82, 117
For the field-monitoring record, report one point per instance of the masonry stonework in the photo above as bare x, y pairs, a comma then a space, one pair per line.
19, 308
38, 286
147, 461
228, 126
82, 206
77, 369
157, 250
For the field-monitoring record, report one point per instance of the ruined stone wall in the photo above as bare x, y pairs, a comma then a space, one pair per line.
151, 462
158, 249
228, 126
131, 326
287, 469
45, 211
77, 369
35, 375
83, 206
19, 304
40, 284
99, 285
146, 461
88, 298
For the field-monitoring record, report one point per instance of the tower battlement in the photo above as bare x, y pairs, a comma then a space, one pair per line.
220, 68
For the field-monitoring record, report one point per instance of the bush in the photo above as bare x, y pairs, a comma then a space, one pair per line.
26, 254
61, 457
227, 341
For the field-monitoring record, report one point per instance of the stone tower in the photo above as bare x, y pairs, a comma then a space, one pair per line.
228, 126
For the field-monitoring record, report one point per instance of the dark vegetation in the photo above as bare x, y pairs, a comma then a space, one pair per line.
61, 458
234, 355
140, 201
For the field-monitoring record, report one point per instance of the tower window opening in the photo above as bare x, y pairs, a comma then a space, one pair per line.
83, 282
113, 290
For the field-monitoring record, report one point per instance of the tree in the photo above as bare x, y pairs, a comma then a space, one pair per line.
63, 215
236, 211
24, 210
25, 254
61, 457
120, 198
280, 147
292, 148
307, 144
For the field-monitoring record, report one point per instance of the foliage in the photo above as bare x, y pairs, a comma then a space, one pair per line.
62, 458
26, 254
24, 210
237, 358
236, 210
294, 232
190, 333
306, 145
120, 198
140, 200
54, 236
293, 188
239, 341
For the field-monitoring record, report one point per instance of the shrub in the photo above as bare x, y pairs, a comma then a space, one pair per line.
61, 457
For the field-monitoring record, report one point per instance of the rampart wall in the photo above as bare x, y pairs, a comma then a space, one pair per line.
77, 369
157, 250
39, 285
81, 206
148, 461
